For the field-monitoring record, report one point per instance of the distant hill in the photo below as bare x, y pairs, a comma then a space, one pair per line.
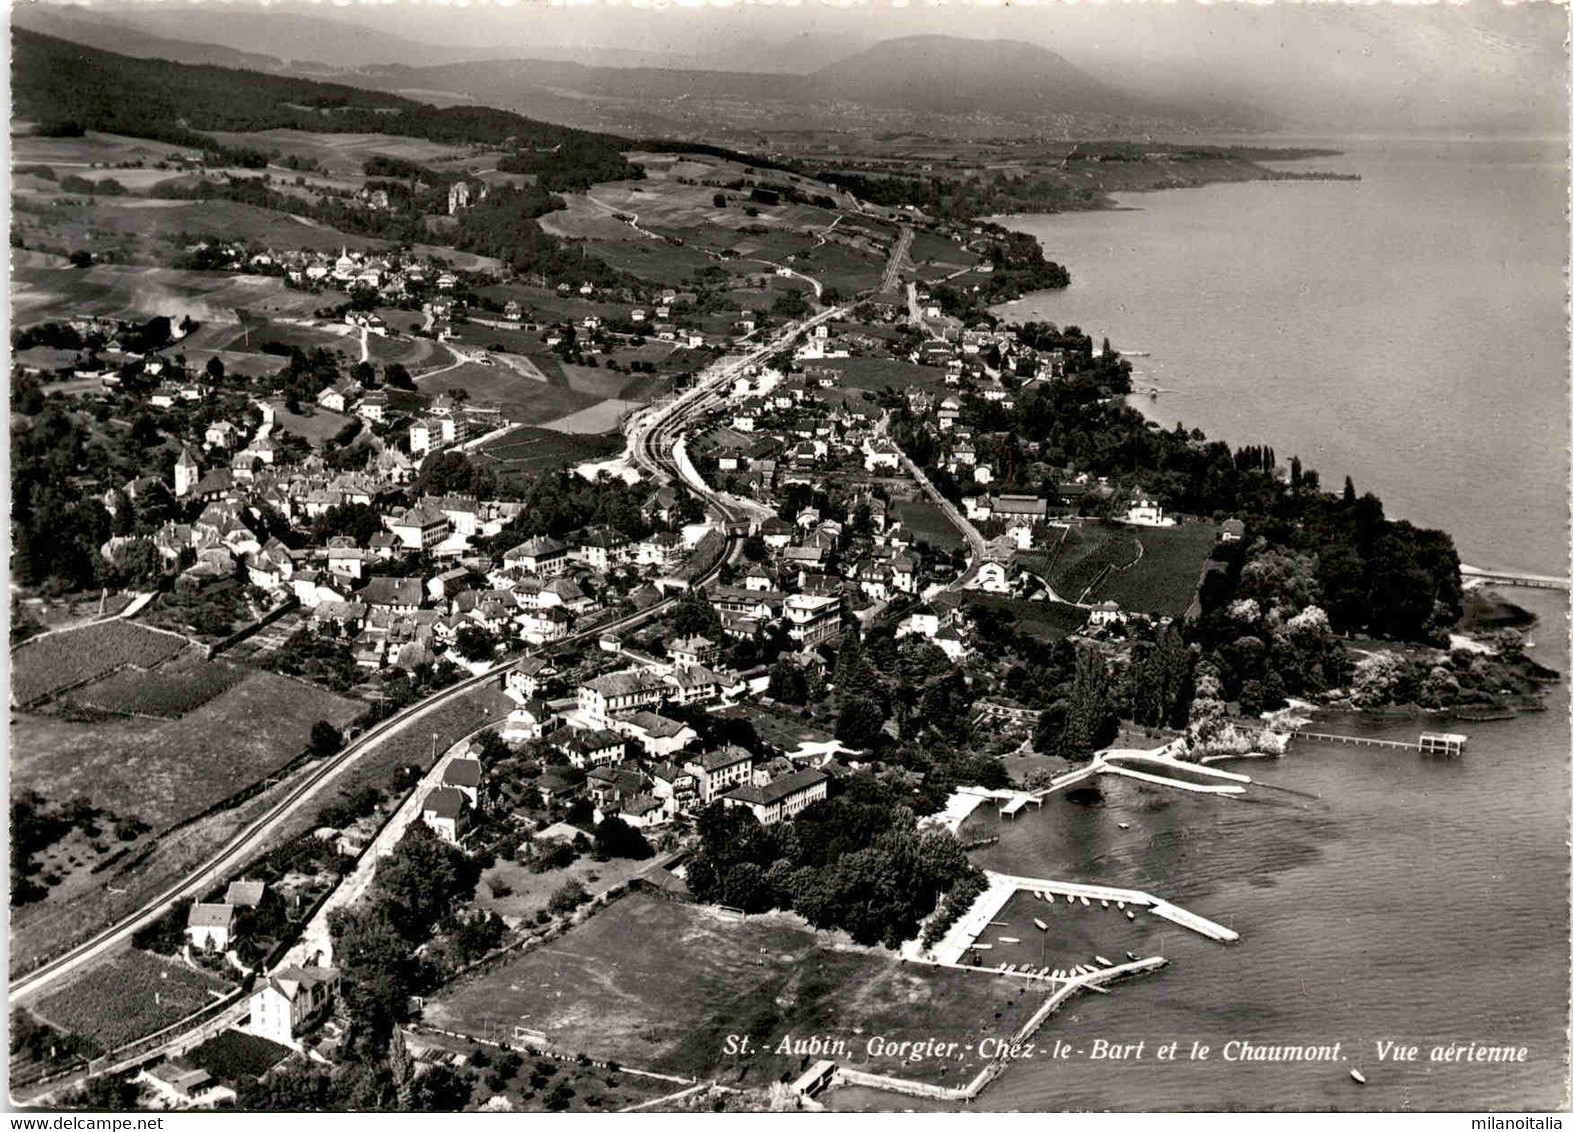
54, 81
945, 75
78, 26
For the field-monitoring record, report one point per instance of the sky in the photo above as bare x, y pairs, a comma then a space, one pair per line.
1349, 65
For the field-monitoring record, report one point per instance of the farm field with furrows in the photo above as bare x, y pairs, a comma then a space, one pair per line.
534, 450
169, 691
167, 770
135, 993
44, 667
1165, 580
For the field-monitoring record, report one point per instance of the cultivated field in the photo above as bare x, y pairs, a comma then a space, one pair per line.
660, 985
343, 154
1165, 580
928, 524
39, 293
168, 692
43, 667
165, 771
877, 373
520, 398
135, 993
1046, 621
1083, 555
530, 451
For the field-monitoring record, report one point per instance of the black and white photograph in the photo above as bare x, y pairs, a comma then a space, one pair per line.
853, 556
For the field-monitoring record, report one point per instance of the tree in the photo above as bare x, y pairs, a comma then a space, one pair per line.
616, 838
325, 739
787, 683
567, 898
859, 722
378, 970
215, 370
81, 258
397, 377
719, 200
695, 616
474, 643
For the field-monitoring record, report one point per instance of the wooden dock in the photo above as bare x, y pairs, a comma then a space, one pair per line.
1431, 742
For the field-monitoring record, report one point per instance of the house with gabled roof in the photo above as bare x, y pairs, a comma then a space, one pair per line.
210, 926
291, 1001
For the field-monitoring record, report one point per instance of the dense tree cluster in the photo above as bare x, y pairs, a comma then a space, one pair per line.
856, 861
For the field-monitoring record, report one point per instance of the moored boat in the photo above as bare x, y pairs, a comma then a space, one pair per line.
1085, 903
1131, 955
1129, 915
1040, 925
1105, 962
1357, 1075
1009, 939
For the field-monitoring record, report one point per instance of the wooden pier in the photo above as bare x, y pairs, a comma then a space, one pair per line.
1508, 578
1431, 742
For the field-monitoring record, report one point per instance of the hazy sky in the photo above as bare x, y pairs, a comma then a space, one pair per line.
1357, 65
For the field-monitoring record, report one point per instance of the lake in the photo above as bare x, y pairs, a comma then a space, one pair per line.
1408, 331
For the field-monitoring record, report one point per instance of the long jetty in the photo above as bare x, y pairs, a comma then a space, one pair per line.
1509, 578
845, 1075
1430, 741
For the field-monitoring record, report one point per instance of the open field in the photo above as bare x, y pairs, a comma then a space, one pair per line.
84, 902
520, 398
530, 451
597, 419
169, 691
233, 1056
43, 667
91, 148
660, 985
532, 891
928, 524
877, 373
142, 292
317, 429
343, 154
1047, 621
1079, 556
1164, 581
135, 993
165, 771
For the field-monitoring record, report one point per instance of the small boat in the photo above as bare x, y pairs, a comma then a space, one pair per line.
1357, 1075
1085, 903
1129, 915
998, 924
1131, 955
1125, 825
1040, 925
1049, 897
1121, 904
1105, 903
1104, 961
983, 947
1009, 939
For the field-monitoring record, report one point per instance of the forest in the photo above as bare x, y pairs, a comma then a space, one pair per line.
65, 86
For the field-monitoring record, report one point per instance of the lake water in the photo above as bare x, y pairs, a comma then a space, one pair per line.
1406, 330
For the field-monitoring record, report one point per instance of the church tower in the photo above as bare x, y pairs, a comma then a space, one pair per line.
187, 473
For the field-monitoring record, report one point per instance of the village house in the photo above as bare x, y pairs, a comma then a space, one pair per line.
716, 772
617, 692
443, 811
783, 798
210, 926
465, 775
291, 1001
